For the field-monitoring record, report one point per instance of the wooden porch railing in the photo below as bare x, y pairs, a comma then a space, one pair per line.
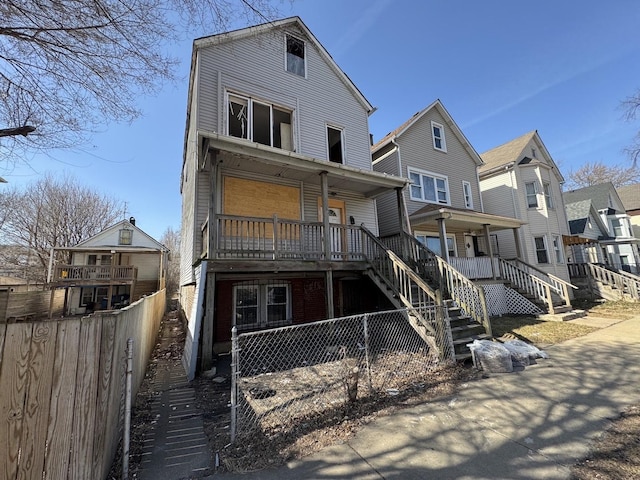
624, 282
430, 266
476, 268
101, 273
281, 239
558, 286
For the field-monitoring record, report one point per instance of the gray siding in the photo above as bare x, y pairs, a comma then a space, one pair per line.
254, 66
387, 204
187, 245
416, 150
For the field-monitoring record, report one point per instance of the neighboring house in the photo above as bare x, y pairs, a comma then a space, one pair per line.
520, 179
277, 185
630, 196
620, 243
444, 206
587, 231
116, 267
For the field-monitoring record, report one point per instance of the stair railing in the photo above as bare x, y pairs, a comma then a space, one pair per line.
629, 284
558, 286
527, 282
412, 291
432, 267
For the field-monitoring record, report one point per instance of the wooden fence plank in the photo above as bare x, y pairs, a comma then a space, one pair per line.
103, 420
81, 457
63, 393
13, 378
38, 398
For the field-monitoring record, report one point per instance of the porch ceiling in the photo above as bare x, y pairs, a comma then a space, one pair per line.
273, 162
462, 220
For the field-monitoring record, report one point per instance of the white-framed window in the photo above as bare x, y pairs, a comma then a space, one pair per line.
259, 122
295, 55
557, 248
428, 187
125, 237
437, 133
541, 249
432, 242
261, 304
335, 144
531, 190
468, 196
548, 196
618, 227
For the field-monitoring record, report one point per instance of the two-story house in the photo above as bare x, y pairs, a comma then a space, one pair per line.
630, 196
277, 186
520, 179
587, 231
620, 243
112, 269
443, 202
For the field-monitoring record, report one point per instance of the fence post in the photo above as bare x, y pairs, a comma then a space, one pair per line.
234, 383
127, 410
365, 325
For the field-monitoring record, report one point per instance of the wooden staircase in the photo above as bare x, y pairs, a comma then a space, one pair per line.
607, 283
464, 330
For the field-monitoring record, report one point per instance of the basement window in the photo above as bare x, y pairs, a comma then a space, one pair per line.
295, 56
261, 304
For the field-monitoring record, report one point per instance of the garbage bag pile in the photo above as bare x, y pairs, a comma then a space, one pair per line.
495, 357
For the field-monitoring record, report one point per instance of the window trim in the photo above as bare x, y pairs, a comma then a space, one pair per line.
250, 101
534, 194
286, 55
546, 249
468, 202
450, 236
548, 195
262, 303
443, 140
121, 236
556, 242
435, 176
342, 143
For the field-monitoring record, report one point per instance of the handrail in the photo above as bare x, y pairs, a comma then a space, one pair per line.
528, 282
558, 285
72, 273
467, 295
623, 283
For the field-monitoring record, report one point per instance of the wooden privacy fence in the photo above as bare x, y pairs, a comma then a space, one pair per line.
62, 390
23, 305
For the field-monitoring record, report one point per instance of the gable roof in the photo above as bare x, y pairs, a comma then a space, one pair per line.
512, 152
630, 196
578, 214
598, 194
91, 242
437, 104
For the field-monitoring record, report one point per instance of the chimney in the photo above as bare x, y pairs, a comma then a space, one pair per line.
132, 221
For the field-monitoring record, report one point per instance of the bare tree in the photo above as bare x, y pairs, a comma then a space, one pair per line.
632, 112
171, 239
69, 66
594, 173
54, 212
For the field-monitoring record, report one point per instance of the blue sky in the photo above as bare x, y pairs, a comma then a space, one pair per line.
501, 68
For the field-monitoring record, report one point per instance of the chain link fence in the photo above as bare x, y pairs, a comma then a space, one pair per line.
286, 376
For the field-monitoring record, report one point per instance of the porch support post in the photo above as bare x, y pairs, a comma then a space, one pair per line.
329, 290
444, 249
206, 359
516, 237
212, 246
487, 237
326, 232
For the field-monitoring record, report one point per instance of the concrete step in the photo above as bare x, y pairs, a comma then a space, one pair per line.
562, 317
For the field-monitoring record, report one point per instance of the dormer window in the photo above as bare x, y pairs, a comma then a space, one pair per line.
439, 142
295, 57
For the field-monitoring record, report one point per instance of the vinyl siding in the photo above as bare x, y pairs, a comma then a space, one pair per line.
187, 245
387, 204
254, 66
416, 150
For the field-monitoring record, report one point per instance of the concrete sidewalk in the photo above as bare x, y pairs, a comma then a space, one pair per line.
532, 424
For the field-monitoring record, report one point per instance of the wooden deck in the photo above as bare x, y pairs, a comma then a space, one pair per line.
93, 275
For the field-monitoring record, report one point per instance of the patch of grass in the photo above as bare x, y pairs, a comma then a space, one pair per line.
535, 331
618, 309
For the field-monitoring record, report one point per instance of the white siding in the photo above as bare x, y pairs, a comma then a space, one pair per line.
255, 66
187, 235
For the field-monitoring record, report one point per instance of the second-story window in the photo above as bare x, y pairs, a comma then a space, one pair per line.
531, 190
335, 144
618, 228
125, 237
295, 56
428, 187
439, 142
468, 197
548, 197
259, 121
